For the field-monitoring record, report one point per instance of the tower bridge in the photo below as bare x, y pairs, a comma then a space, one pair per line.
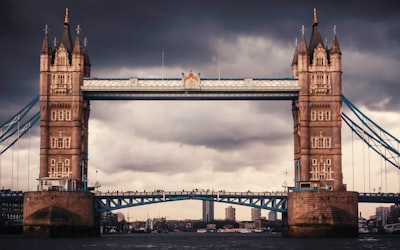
315, 92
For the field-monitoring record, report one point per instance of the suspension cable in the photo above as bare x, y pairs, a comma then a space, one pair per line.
352, 155
369, 169
29, 155
363, 147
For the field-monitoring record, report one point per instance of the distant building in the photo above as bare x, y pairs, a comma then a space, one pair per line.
272, 216
381, 215
255, 213
208, 211
230, 214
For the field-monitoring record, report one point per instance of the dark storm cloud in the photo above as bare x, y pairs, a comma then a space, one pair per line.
133, 34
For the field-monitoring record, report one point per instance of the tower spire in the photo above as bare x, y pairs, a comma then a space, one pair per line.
315, 16
66, 19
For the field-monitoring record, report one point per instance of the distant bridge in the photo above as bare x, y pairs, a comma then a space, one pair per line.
275, 201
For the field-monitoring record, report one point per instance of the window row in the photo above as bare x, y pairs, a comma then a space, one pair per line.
60, 168
66, 162
61, 115
320, 115
321, 142
61, 78
60, 142
314, 162
321, 170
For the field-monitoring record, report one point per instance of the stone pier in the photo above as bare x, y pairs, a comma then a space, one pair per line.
59, 214
322, 214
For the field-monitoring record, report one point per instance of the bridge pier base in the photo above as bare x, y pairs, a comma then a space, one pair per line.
322, 214
59, 214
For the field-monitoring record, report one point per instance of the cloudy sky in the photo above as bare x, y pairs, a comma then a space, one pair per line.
235, 145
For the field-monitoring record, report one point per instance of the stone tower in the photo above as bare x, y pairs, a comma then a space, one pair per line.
320, 205
316, 113
64, 113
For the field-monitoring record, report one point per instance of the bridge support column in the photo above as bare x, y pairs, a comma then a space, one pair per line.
322, 214
59, 214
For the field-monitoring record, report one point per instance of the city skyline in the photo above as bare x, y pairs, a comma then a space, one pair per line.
235, 146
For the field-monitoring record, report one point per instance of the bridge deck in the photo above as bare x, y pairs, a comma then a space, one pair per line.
179, 89
267, 200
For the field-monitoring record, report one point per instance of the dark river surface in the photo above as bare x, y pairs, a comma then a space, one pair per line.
200, 241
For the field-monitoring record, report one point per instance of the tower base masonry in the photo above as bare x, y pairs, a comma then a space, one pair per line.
59, 214
322, 214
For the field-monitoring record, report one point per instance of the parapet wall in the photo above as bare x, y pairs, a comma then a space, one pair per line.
59, 214
322, 214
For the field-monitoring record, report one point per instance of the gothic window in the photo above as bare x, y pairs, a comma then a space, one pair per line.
327, 115
61, 79
68, 115
53, 115
60, 143
327, 142
320, 61
60, 167
61, 115
67, 162
321, 142
67, 142
321, 169
320, 115
53, 143
313, 115
53, 162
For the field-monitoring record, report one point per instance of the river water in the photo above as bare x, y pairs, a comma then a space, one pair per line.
199, 241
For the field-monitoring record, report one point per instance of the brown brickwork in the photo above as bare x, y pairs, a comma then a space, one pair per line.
59, 214
322, 214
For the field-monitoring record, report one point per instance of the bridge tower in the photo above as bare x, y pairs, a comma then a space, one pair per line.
64, 113
52, 211
317, 120
320, 195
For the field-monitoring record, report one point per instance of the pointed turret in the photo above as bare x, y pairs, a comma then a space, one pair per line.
46, 49
303, 43
315, 37
335, 44
77, 44
295, 54
295, 60
46, 56
335, 53
66, 38
302, 56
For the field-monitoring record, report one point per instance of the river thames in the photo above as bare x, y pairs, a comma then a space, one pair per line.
199, 241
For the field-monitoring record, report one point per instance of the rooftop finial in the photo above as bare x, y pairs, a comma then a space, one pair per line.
315, 16
66, 19
295, 42
46, 29
78, 29
302, 30
334, 29
85, 42
55, 42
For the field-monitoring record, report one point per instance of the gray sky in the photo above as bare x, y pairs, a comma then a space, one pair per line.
236, 146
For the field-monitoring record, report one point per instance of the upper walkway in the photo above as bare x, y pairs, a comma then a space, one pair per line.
190, 88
